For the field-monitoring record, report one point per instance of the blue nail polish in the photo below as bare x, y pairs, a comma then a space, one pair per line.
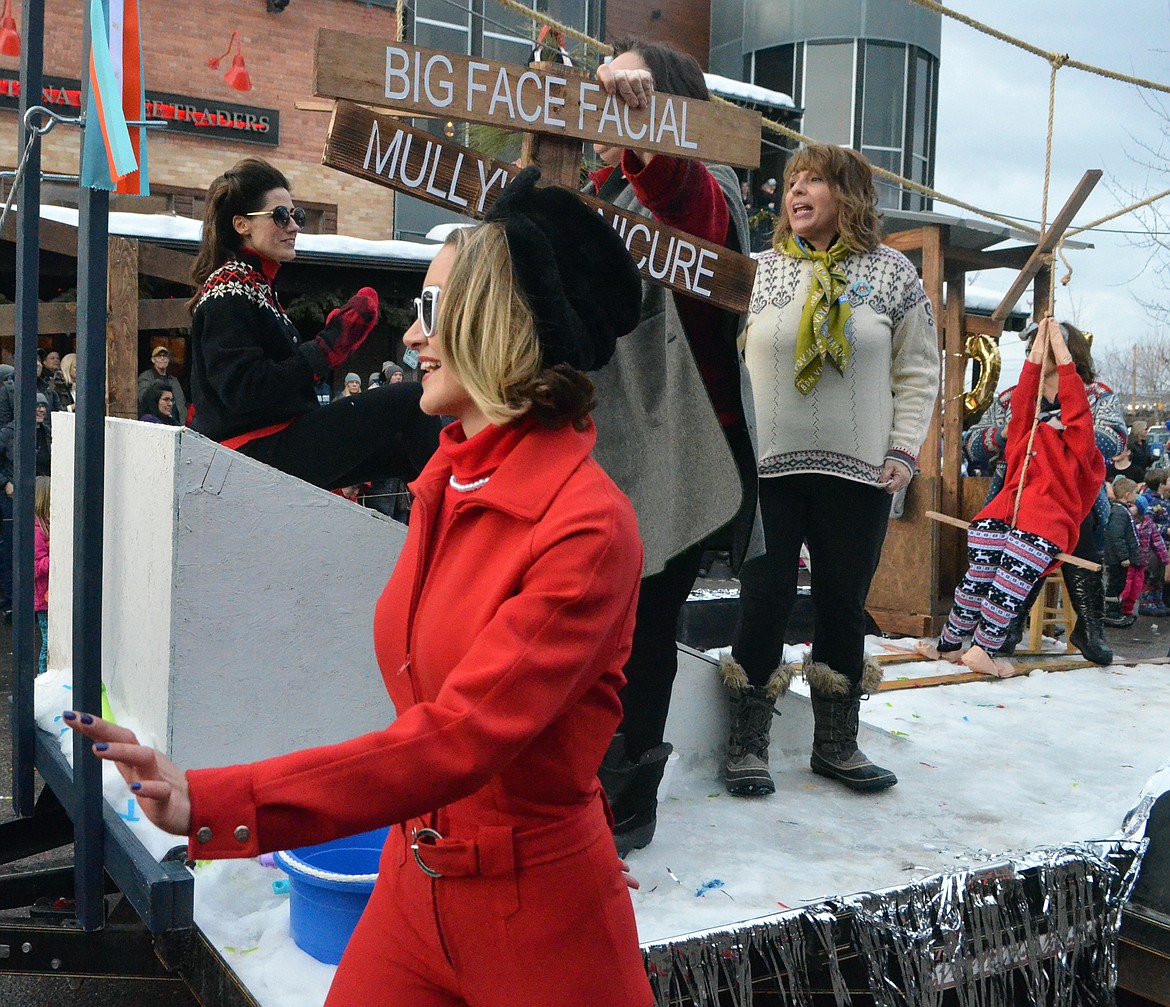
101, 746
86, 718
69, 715
135, 786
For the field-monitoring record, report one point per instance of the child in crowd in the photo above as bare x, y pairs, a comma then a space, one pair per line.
1156, 565
1154, 557
1016, 538
41, 567
1121, 553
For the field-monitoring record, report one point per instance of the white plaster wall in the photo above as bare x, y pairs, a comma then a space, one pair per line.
238, 601
275, 587
138, 553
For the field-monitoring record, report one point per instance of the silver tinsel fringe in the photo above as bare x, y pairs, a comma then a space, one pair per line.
1041, 928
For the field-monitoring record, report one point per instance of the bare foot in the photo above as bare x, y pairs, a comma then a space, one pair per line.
931, 652
978, 660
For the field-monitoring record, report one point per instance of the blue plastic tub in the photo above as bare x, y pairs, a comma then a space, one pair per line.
330, 886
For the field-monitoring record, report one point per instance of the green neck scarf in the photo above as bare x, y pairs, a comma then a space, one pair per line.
821, 335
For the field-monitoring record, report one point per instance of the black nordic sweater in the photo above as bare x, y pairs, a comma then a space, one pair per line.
250, 369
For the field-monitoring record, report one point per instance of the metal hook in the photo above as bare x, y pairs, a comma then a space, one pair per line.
52, 119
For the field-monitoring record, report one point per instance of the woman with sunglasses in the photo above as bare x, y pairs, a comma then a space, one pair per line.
499, 884
253, 377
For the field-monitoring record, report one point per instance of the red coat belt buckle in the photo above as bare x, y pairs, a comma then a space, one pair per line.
434, 837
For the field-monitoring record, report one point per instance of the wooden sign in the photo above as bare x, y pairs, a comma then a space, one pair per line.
533, 99
381, 148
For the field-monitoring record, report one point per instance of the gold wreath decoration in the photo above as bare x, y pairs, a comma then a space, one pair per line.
985, 350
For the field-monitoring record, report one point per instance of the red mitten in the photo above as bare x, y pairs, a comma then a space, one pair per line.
346, 327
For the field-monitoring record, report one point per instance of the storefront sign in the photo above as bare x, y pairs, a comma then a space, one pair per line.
380, 148
533, 99
218, 120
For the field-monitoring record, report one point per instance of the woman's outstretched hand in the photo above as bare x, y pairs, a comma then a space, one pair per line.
159, 785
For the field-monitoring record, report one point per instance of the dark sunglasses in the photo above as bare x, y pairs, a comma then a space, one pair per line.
281, 215
426, 306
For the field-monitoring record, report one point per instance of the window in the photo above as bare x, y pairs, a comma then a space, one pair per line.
921, 131
883, 110
774, 68
827, 94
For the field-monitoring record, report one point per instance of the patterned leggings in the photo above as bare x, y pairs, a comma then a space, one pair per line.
1003, 566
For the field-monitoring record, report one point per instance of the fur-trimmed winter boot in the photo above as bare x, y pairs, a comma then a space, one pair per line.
836, 707
745, 771
632, 791
1086, 590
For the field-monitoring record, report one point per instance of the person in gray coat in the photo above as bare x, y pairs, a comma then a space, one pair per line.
674, 424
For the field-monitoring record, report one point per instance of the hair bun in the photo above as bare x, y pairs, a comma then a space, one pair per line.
573, 269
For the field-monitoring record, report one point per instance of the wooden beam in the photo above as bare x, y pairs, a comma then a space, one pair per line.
163, 313
1048, 241
1064, 557
57, 317
952, 549
122, 329
397, 75
55, 236
906, 241
933, 240
166, 264
981, 325
559, 157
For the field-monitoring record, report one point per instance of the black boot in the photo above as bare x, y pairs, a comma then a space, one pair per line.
745, 770
835, 753
632, 791
1086, 590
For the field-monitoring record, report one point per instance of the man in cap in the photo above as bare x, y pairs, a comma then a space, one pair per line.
160, 359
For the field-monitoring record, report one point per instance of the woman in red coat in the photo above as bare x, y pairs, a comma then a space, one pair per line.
501, 638
1015, 539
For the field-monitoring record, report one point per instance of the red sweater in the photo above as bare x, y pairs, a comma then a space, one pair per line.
1066, 470
685, 195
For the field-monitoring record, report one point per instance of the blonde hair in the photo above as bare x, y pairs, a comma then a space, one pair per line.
485, 327
41, 503
851, 179
68, 363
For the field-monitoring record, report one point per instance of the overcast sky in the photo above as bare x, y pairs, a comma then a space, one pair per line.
992, 122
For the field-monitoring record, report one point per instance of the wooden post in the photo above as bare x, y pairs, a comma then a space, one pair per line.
122, 330
933, 240
559, 157
952, 558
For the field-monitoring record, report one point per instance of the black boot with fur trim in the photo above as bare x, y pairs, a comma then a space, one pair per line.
752, 708
836, 708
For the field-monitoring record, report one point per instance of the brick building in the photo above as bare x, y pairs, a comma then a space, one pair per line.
178, 40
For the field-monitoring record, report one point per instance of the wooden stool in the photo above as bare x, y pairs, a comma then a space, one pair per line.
1052, 607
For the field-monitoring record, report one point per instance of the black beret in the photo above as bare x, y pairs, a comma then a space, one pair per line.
573, 270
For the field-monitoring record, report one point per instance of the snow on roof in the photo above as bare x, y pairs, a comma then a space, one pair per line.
183, 230
728, 88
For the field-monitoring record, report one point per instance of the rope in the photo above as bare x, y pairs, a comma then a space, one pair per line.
1031, 439
1076, 64
1056, 60
33, 136
400, 19
570, 32
1119, 213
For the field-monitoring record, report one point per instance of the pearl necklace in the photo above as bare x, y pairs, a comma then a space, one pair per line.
468, 487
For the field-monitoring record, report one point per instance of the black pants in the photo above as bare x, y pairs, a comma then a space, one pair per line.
653, 662
374, 435
844, 524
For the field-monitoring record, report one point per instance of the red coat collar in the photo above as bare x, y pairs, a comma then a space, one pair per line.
526, 482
